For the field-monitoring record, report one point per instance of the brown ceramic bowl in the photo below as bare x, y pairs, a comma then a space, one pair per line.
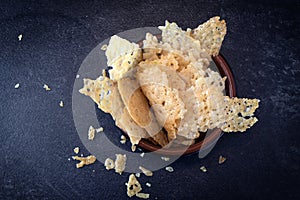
211, 138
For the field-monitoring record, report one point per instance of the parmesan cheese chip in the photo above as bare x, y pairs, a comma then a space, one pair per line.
239, 114
211, 34
121, 56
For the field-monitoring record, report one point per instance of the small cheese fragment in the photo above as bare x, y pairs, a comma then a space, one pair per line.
20, 37
104, 47
109, 164
17, 85
76, 150
120, 163
84, 160
46, 87
143, 195
91, 133
203, 169
147, 172
123, 139
61, 104
165, 158
222, 159
98, 130
133, 186
169, 169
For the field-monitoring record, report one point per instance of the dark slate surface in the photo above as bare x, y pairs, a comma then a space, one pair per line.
37, 136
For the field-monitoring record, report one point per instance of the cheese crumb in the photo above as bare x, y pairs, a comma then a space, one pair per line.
120, 163
137, 174
165, 158
148, 184
76, 150
20, 37
77, 76
222, 159
133, 186
17, 85
104, 47
169, 169
109, 164
203, 169
147, 172
61, 104
133, 147
84, 160
142, 154
98, 130
123, 139
91, 133
143, 195
46, 87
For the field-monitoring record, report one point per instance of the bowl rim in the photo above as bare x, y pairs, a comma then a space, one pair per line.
213, 137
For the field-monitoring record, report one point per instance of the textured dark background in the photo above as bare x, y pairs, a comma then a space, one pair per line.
37, 136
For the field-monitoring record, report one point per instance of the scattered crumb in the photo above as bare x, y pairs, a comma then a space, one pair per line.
133, 148
69, 159
169, 169
93, 170
142, 154
120, 163
20, 37
203, 169
91, 133
76, 150
98, 130
109, 164
137, 174
140, 149
165, 158
133, 186
123, 139
104, 47
222, 159
77, 76
143, 195
46, 87
81, 155
147, 172
61, 104
84, 160
17, 85
148, 184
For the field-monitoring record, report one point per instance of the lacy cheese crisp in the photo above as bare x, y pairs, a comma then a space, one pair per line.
164, 91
